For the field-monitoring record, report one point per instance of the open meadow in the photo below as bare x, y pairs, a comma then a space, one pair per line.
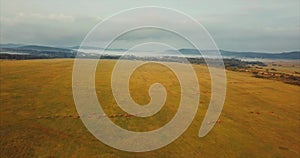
260, 118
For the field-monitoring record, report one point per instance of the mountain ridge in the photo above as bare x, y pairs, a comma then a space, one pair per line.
67, 51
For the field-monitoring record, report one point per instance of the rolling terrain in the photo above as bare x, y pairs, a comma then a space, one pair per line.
39, 51
260, 118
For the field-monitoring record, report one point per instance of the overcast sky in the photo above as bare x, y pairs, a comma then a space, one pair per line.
240, 25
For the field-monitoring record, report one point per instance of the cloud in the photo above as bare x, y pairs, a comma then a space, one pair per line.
48, 29
259, 25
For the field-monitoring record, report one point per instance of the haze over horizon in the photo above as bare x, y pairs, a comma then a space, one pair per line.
257, 26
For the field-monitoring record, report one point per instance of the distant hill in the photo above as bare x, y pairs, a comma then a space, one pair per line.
284, 55
43, 48
56, 52
36, 50
10, 45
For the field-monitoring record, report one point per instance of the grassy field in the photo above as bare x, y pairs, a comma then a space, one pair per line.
285, 66
261, 118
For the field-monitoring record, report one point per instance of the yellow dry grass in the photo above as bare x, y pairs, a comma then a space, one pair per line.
261, 118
